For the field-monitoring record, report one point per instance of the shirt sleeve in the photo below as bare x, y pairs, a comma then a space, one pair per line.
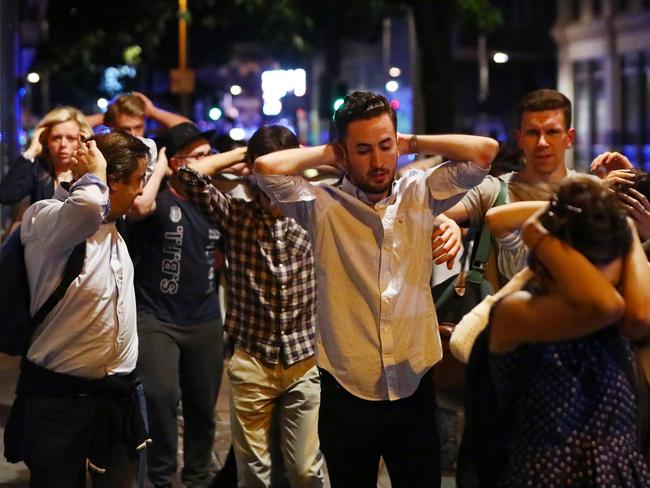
212, 203
480, 199
17, 183
63, 225
449, 181
293, 195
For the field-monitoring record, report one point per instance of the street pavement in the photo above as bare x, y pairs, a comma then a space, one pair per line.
16, 475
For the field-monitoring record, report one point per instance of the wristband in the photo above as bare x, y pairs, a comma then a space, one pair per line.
28, 156
413, 144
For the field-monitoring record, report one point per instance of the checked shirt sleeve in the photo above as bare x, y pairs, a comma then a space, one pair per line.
212, 203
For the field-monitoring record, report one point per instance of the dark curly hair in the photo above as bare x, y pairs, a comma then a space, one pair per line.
588, 217
361, 105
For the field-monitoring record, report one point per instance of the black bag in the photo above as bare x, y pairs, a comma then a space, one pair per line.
17, 324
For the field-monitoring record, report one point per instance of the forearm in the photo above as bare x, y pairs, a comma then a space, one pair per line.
145, 204
216, 163
577, 280
168, 119
462, 147
503, 219
295, 161
95, 119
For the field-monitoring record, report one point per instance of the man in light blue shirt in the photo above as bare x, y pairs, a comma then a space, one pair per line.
77, 384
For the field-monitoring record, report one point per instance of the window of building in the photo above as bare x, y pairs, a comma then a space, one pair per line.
590, 108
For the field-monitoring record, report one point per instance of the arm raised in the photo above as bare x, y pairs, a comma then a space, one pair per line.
295, 161
581, 299
480, 150
503, 219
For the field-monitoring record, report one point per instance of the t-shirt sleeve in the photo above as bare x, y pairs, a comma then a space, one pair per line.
480, 199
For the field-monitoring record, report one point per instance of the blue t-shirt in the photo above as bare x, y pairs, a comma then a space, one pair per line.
173, 251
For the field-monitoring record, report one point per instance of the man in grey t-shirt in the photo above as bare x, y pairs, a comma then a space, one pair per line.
544, 134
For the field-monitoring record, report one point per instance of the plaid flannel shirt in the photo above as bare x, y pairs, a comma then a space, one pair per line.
271, 311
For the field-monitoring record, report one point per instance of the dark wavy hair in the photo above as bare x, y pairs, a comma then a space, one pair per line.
122, 152
587, 216
361, 105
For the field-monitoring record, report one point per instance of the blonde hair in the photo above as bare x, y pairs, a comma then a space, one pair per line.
58, 116
124, 104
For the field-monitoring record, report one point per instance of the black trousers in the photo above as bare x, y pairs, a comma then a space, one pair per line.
180, 363
354, 433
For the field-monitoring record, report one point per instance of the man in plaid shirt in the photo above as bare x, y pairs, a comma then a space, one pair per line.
270, 316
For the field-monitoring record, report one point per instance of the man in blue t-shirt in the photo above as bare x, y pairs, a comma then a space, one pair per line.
174, 249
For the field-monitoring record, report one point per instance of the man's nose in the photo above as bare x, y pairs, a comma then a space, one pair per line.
542, 141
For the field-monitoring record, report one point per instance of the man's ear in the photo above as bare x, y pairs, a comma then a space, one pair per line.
341, 153
112, 186
174, 164
572, 136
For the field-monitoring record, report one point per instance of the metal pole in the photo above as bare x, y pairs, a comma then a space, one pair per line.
182, 52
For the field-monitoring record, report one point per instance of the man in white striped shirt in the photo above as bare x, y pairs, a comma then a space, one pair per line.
77, 385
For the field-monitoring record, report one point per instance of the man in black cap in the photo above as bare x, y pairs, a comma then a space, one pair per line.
179, 322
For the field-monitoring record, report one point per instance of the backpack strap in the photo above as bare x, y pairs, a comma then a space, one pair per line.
477, 269
72, 269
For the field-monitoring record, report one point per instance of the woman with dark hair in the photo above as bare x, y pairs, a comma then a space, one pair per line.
558, 360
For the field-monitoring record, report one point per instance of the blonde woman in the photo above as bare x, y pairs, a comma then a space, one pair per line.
45, 163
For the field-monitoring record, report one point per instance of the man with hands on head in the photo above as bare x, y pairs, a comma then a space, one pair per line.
376, 337
270, 318
77, 387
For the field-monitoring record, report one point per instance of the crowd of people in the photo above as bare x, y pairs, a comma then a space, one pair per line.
330, 333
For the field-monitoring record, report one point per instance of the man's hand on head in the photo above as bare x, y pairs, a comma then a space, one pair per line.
148, 104
88, 159
638, 208
609, 161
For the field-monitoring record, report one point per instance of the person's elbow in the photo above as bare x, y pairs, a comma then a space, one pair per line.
264, 165
486, 152
141, 209
636, 322
492, 220
608, 308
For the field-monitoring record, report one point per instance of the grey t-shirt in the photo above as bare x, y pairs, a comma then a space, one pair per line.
511, 252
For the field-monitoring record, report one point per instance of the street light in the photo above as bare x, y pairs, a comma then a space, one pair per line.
500, 57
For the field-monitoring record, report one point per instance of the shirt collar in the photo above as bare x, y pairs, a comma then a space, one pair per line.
348, 187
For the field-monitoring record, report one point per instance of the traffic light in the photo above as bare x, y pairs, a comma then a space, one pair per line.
215, 113
338, 95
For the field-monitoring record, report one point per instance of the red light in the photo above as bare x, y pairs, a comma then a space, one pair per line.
395, 104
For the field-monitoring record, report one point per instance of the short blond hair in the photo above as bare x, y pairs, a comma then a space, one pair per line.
126, 104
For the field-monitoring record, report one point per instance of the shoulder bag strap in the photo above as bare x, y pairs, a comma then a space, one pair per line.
72, 269
477, 269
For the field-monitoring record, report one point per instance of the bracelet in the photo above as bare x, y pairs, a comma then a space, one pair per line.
534, 248
413, 144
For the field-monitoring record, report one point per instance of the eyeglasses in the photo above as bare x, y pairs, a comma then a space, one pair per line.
200, 155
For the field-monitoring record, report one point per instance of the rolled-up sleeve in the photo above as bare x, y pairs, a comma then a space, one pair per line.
448, 182
285, 188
